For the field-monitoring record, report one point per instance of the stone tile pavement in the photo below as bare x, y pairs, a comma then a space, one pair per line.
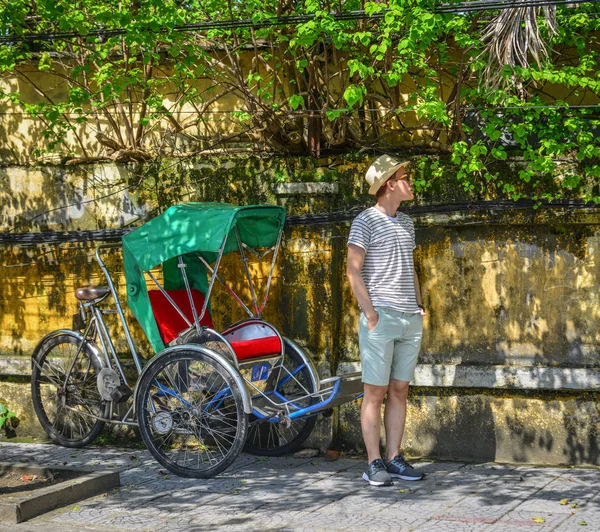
311, 494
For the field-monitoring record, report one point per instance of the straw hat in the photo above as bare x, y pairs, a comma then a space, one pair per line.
381, 170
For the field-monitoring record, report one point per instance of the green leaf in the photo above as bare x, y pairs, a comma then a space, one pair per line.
353, 95
332, 115
301, 64
296, 101
570, 182
403, 44
499, 153
45, 62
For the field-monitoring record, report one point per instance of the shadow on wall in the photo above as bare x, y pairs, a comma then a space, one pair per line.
453, 427
526, 426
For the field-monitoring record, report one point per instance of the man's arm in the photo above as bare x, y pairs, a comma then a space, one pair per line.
356, 258
418, 293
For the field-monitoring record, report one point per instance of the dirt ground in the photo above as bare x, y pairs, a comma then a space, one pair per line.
13, 484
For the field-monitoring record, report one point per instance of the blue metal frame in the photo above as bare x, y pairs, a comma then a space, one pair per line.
167, 391
300, 412
309, 410
290, 375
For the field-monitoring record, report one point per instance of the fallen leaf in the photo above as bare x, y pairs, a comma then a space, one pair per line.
27, 478
404, 491
538, 520
583, 523
564, 501
76, 508
574, 505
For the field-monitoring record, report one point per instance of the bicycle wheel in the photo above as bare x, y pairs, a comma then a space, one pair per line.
191, 414
290, 380
64, 391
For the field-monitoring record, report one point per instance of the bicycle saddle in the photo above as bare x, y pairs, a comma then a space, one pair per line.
89, 293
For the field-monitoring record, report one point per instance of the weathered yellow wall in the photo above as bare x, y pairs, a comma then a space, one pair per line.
516, 289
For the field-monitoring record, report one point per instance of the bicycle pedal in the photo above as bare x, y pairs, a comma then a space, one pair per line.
121, 393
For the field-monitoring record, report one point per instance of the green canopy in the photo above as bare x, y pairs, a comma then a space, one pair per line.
188, 230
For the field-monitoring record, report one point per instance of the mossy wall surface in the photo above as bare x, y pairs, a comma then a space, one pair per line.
516, 288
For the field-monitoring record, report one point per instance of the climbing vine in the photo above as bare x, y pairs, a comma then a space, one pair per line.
139, 79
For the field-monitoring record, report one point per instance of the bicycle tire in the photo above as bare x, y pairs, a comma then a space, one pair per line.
215, 422
82, 391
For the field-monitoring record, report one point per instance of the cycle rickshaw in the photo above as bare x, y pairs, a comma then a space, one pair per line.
205, 395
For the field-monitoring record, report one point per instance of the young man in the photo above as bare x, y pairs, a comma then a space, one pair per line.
384, 281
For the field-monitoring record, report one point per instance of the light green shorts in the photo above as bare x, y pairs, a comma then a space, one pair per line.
391, 349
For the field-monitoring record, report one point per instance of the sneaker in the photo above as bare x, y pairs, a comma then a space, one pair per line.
400, 468
377, 474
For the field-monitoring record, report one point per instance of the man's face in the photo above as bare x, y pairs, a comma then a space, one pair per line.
401, 185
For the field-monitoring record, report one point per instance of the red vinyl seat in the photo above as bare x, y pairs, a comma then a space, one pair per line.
169, 322
258, 347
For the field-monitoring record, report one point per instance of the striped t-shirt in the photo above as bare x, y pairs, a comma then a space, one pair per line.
388, 269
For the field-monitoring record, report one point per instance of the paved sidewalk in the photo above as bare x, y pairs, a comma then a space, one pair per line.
311, 494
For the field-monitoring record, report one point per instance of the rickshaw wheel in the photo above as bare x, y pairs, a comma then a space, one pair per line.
191, 414
61, 407
276, 439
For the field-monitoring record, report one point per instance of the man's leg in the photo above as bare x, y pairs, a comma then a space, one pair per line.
395, 417
370, 419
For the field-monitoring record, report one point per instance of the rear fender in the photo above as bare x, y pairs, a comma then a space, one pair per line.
95, 352
314, 374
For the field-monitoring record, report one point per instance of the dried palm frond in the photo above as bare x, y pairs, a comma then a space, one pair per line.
513, 37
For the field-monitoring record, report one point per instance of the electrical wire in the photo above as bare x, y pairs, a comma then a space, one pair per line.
459, 8
484, 5
111, 235
322, 111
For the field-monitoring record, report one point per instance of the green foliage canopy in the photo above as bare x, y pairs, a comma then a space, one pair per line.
406, 78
